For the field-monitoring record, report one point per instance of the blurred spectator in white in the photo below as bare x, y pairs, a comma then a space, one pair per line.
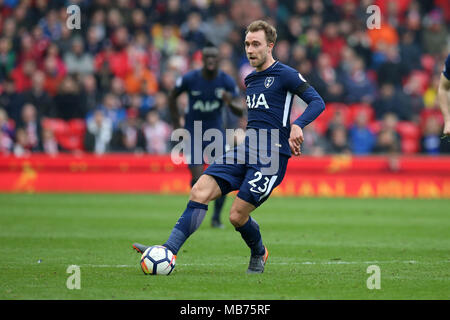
49, 144
31, 124
111, 110
6, 133
156, 133
21, 145
99, 133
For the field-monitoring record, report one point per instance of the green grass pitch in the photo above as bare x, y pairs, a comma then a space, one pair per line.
319, 249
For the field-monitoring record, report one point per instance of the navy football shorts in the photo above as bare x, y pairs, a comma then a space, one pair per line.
253, 184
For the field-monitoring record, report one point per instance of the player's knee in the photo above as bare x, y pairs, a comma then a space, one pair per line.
237, 218
203, 192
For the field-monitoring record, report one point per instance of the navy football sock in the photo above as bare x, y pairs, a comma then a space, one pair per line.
218, 205
186, 225
252, 237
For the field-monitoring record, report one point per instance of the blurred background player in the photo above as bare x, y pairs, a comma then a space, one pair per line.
209, 89
444, 90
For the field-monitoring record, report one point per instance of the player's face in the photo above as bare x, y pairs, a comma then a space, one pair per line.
210, 59
257, 48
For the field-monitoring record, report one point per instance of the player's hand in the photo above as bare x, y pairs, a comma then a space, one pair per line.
227, 97
447, 129
296, 139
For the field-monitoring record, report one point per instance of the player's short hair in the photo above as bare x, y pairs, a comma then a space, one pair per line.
269, 30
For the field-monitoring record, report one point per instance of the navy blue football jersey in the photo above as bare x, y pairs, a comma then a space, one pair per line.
205, 97
446, 71
269, 96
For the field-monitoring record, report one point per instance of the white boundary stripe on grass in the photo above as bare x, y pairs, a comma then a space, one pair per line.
276, 263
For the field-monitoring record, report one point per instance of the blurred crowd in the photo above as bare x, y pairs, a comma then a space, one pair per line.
104, 87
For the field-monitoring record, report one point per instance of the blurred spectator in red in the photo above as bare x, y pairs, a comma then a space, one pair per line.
332, 43
22, 75
53, 75
156, 133
6, 133
391, 100
361, 137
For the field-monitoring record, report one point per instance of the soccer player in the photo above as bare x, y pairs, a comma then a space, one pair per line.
209, 89
269, 90
443, 96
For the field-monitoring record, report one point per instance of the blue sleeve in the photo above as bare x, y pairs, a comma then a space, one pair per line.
446, 71
292, 80
231, 86
182, 83
315, 107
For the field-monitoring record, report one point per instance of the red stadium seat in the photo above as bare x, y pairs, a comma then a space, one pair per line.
410, 134
355, 108
69, 134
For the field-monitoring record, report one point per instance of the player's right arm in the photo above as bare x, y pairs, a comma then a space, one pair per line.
443, 96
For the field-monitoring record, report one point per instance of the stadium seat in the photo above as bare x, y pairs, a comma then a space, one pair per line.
355, 108
69, 134
410, 135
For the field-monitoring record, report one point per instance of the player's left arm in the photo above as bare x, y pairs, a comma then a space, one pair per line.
231, 98
444, 103
234, 103
297, 85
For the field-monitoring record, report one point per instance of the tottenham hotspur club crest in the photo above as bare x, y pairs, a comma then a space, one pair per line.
268, 82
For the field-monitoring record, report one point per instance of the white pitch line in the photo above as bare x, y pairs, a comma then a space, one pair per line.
275, 263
